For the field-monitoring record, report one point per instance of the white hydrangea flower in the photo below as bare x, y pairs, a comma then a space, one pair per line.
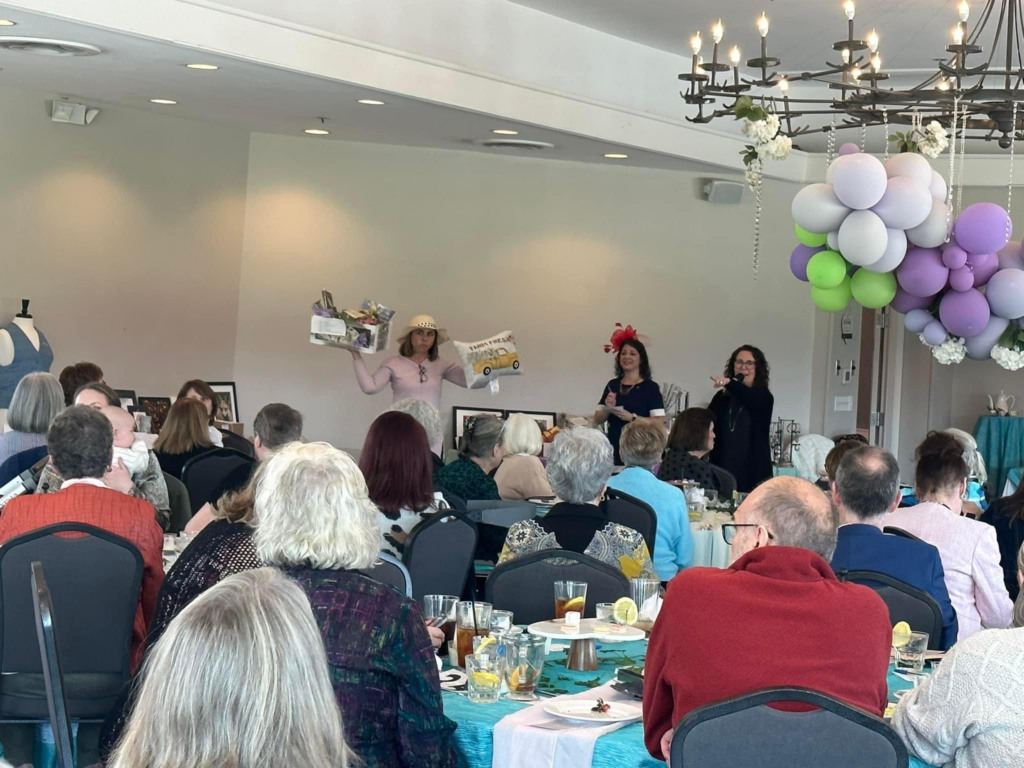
776, 149
1010, 359
936, 129
933, 140
950, 352
772, 124
760, 131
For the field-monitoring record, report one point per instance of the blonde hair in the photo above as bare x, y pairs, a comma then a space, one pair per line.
523, 435
186, 428
642, 442
240, 678
37, 400
312, 507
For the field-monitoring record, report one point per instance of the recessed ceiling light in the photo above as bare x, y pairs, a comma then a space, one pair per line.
203, 67
372, 102
505, 132
616, 156
162, 101
317, 132
7, 23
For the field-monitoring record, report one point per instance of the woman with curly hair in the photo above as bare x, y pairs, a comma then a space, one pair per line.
631, 395
743, 416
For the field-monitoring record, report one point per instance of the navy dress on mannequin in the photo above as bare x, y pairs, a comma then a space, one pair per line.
26, 358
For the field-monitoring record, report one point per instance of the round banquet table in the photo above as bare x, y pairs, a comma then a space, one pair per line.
624, 748
1001, 444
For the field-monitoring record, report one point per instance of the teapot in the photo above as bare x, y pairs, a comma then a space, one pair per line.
1003, 403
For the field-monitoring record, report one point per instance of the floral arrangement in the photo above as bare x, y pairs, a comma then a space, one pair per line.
1009, 351
950, 352
619, 336
762, 127
930, 140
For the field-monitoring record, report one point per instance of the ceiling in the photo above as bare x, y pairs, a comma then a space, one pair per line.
258, 98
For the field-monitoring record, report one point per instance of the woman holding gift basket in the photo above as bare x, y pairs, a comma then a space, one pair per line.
417, 371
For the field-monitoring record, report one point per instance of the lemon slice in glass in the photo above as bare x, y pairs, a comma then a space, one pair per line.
485, 679
485, 643
900, 634
575, 604
625, 612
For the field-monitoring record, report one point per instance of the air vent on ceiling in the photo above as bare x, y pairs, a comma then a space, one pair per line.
44, 47
521, 144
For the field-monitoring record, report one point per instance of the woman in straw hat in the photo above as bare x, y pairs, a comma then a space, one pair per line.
417, 371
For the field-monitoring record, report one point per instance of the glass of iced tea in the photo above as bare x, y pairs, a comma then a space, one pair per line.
472, 620
524, 662
439, 611
570, 596
645, 594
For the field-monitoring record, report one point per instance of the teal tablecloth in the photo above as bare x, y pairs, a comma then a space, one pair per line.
624, 748
778, 471
1001, 444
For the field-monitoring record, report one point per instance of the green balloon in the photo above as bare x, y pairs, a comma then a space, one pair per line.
832, 299
826, 269
809, 238
873, 290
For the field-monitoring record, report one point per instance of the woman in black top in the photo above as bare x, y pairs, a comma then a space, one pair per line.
1006, 515
743, 416
691, 439
631, 394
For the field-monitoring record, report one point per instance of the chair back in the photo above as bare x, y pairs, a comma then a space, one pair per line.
56, 702
237, 443
181, 507
905, 602
455, 502
503, 514
835, 734
389, 570
900, 532
727, 484
526, 585
204, 474
94, 578
19, 462
439, 554
633, 513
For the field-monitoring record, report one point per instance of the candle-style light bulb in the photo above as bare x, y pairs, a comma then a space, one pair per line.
943, 84
964, 10
695, 44
855, 73
873, 41
845, 53
850, 9
735, 56
784, 85
876, 63
700, 66
717, 32
958, 35
762, 25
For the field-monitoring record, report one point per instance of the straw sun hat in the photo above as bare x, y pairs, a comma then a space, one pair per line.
426, 322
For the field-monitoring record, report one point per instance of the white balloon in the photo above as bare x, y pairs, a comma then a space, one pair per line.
931, 233
863, 238
817, 209
910, 164
832, 240
905, 204
938, 187
859, 180
895, 250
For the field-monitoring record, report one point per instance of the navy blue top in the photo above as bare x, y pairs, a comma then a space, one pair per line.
642, 399
27, 359
864, 547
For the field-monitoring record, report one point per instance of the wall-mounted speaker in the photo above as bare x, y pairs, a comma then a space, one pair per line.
724, 192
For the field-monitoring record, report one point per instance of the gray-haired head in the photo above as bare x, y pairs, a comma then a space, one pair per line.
580, 464
426, 414
796, 513
868, 481
37, 400
81, 442
481, 435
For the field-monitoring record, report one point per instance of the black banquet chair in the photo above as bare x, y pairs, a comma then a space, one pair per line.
439, 554
204, 474
633, 513
905, 603
19, 462
727, 484
181, 507
389, 570
53, 677
237, 443
834, 734
526, 585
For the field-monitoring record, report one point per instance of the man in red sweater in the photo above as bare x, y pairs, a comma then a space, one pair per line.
776, 617
81, 443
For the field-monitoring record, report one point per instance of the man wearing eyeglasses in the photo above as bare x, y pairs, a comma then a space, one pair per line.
778, 616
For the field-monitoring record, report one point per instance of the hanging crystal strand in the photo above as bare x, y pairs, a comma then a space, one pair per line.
960, 170
1009, 186
885, 123
863, 136
831, 147
952, 167
757, 216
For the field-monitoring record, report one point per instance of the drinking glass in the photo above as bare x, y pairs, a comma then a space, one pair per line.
910, 657
484, 683
712, 499
524, 662
501, 620
645, 594
439, 610
472, 620
570, 596
604, 611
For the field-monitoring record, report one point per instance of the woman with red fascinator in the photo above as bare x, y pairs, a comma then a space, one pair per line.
631, 394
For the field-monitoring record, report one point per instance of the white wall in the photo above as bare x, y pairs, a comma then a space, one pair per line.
127, 237
556, 252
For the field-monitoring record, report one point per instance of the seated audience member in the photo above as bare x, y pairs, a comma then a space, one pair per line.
776, 617
184, 436
640, 446
867, 487
81, 446
969, 713
96, 394
240, 679
689, 443
429, 418
36, 402
578, 469
314, 520
521, 474
1018, 606
977, 474
835, 458
1006, 515
970, 553
480, 453
74, 376
396, 465
197, 389
276, 424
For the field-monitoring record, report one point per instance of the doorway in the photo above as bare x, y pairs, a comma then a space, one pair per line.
873, 376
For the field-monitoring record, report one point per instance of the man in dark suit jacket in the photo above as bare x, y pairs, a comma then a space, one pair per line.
865, 489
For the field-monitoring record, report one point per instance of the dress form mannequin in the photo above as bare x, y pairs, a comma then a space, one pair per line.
24, 322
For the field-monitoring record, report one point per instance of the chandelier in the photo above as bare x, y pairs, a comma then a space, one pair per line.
967, 91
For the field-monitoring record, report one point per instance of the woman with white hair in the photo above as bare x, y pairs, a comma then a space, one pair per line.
429, 418
521, 475
315, 520
36, 402
578, 470
240, 678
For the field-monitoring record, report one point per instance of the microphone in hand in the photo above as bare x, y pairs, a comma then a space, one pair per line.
738, 377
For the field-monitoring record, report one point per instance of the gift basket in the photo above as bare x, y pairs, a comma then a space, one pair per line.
360, 330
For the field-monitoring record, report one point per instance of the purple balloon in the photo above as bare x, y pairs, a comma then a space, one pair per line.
934, 333
799, 258
964, 313
849, 148
953, 256
917, 320
922, 272
903, 302
982, 228
984, 265
961, 279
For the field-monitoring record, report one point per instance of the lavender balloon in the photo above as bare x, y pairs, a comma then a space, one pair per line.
961, 279
905, 204
895, 251
934, 333
938, 187
917, 320
980, 347
859, 180
1010, 256
931, 233
817, 209
863, 238
832, 241
964, 313
849, 148
903, 302
1005, 293
911, 165
982, 228
984, 265
953, 256
798, 260
922, 272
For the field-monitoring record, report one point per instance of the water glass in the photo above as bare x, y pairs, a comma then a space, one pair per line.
472, 620
645, 593
712, 499
484, 683
524, 663
910, 657
604, 611
501, 621
439, 610
570, 596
